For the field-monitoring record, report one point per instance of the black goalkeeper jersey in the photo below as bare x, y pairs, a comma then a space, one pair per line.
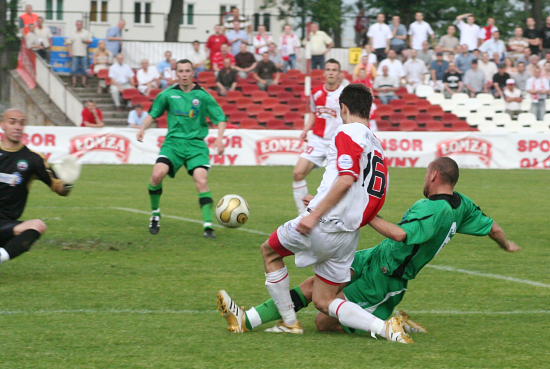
17, 170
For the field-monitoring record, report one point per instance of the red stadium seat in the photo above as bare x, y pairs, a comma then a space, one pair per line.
276, 124
408, 125
250, 124
234, 95
129, 93
162, 122
139, 100
154, 92
296, 118
103, 74
237, 117
259, 96
254, 110
275, 89
397, 117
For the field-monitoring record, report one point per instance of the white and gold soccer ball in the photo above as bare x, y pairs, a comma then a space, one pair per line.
232, 211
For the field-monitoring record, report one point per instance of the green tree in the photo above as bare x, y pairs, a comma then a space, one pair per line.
328, 13
9, 45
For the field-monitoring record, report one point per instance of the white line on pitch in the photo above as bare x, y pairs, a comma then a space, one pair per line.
438, 267
191, 312
137, 211
488, 275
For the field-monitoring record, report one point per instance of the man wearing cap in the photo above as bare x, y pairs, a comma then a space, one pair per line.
512, 97
438, 69
474, 80
499, 80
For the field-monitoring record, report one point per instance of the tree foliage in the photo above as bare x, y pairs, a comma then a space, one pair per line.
328, 13
9, 44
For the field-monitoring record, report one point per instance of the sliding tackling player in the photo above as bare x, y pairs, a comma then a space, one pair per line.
188, 105
18, 167
381, 274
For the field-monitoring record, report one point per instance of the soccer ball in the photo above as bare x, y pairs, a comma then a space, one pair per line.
232, 211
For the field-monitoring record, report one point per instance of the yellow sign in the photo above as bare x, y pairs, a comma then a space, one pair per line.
355, 55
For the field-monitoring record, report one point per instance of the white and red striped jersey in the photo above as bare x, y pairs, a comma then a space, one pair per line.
326, 107
354, 151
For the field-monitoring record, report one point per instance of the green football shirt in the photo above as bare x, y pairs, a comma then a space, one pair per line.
430, 224
187, 112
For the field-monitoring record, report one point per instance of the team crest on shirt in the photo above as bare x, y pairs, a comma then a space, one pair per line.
195, 102
22, 165
345, 161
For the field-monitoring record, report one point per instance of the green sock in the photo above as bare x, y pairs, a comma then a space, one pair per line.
154, 193
207, 206
268, 310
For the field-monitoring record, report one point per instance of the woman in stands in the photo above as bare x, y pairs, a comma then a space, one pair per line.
103, 59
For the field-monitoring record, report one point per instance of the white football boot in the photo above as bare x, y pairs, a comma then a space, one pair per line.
395, 331
235, 315
282, 327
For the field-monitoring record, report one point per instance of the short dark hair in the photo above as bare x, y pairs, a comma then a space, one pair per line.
196, 42
334, 61
184, 61
358, 99
447, 168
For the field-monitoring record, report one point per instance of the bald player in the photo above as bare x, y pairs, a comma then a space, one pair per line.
18, 167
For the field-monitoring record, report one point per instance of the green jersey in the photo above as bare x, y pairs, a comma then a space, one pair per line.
187, 112
430, 224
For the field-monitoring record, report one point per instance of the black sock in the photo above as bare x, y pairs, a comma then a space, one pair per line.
21, 243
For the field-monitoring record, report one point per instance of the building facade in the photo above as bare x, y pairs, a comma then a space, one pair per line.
146, 19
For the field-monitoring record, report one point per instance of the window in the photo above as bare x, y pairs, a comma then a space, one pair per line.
142, 12
262, 19
54, 8
98, 10
188, 16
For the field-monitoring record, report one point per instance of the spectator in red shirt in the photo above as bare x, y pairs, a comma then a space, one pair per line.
92, 116
215, 42
27, 18
217, 59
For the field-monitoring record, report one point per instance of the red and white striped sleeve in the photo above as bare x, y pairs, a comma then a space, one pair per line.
349, 153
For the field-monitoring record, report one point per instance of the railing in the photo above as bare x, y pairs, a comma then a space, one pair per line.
59, 94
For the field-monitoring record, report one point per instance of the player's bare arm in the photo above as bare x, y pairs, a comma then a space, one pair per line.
497, 234
219, 140
388, 229
307, 126
146, 124
336, 193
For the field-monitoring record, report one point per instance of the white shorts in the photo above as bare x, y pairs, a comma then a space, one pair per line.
331, 253
316, 150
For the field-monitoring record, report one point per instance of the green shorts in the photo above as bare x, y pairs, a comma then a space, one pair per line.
189, 153
371, 289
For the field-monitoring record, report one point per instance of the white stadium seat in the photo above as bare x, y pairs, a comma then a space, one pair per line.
485, 99
498, 105
460, 98
424, 91
486, 111
436, 98
526, 119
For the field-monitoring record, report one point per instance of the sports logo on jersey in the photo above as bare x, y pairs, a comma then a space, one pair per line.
11, 179
22, 165
195, 102
475, 146
325, 112
175, 97
345, 161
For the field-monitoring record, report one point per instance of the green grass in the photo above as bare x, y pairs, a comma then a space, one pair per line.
98, 291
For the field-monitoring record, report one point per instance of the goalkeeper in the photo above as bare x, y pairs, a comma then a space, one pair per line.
18, 167
188, 105
381, 274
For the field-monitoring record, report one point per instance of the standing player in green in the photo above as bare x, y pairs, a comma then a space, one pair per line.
381, 274
188, 105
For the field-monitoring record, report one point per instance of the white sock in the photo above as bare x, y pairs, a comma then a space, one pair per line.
353, 316
4, 256
278, 285
299, 188
253, 318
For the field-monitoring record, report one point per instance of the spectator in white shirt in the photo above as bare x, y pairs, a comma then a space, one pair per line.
469, 31
521, 76
415, 70
367, 51
380, 35
495, 47
121, 76
198, 57
147, 78
512, 98
395, 67
538, 87
419, 31
168, 76
44, 36
261, 42
137, 116
488, 67
289, 45
386, 86
517, 44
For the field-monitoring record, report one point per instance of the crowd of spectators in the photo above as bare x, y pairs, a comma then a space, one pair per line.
470, 58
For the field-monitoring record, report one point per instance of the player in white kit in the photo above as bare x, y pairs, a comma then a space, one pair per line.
326, 234
323, 122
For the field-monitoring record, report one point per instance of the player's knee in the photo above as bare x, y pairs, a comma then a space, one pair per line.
38, 225
157, 178
321, 304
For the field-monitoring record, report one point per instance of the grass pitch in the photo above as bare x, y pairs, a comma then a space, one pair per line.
98, 291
